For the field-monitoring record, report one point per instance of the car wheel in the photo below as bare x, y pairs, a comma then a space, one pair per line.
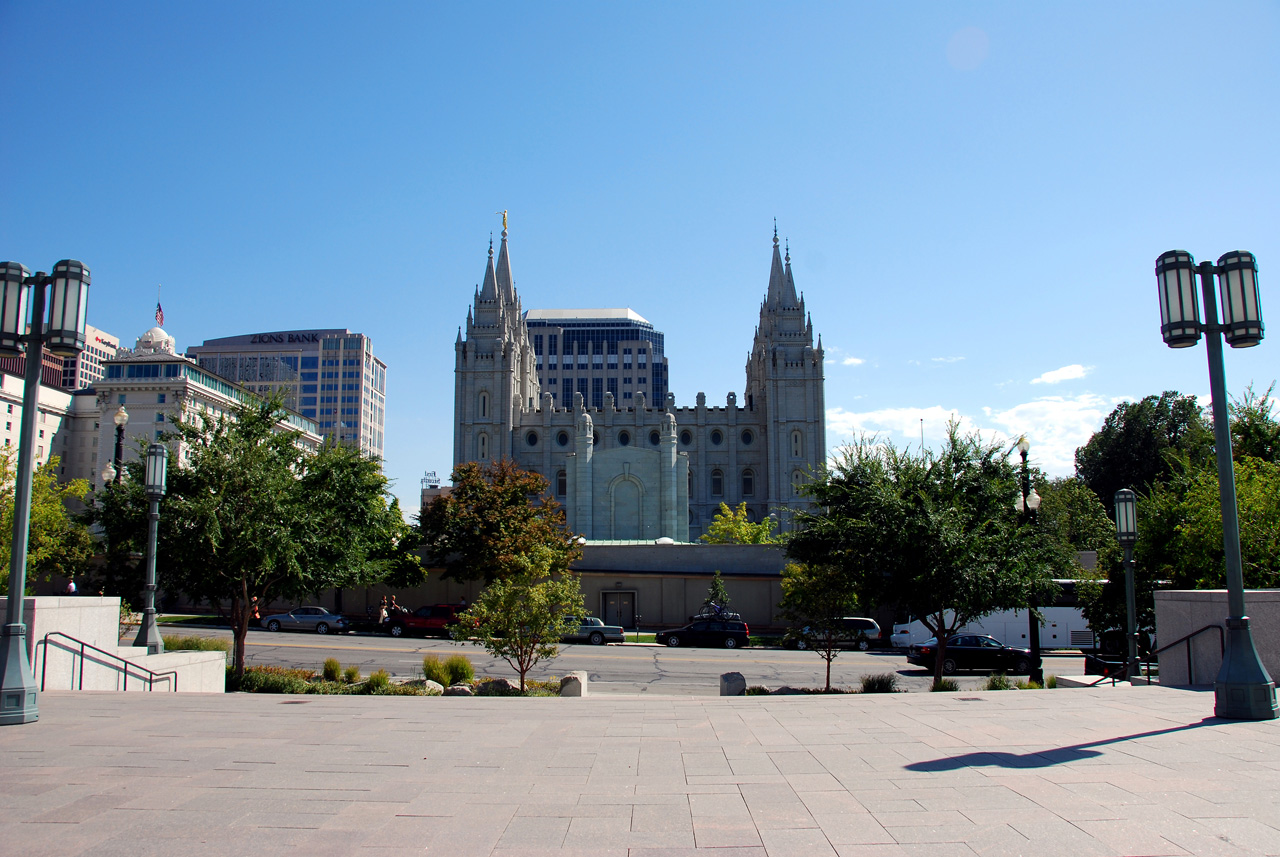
673, 641
863, 645
396, 630
802, 644
322, 627
1022, 667
948, 666
273, 625
597, 639
730, 643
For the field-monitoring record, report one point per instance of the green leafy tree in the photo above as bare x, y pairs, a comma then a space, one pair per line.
934, 533
814, 598
252, 514
717, 595
733, 527
494, 513
523, 612
1138, 442
58, 545
1255, 431
1073, 514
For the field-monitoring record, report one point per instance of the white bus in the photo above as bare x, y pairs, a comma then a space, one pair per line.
1063, 628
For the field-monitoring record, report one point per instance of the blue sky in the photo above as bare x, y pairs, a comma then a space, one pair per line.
975, 194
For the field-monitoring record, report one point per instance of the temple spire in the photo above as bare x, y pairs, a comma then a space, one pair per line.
777, 277
789, 298
506, 285
489, 291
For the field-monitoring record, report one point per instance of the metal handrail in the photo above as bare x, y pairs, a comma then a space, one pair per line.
152, 675
1191, 669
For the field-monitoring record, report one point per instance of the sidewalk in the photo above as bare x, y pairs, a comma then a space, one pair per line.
1079, 772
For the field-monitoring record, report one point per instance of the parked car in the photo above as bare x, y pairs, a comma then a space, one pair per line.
594, 631
855, 632
315, 619
707, 632
435, 619
973, 652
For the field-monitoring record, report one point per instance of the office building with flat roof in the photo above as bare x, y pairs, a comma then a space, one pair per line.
85, 367
597, 351
329, 375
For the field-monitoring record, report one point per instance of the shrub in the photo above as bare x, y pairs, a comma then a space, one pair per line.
273, 680
377, 682
1028, 685
460, 670
945, 685
351, 674
1050, 682
437, 670
882, 683
999, 681
179, 643
332, 669
757, 690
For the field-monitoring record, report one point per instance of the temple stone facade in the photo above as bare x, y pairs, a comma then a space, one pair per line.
646, 470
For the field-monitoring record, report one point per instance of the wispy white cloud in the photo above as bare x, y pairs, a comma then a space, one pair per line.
946, 359
1055, 425
1066, 373
852, 361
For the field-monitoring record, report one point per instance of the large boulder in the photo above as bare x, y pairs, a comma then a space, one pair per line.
459, 690
574, 684
733, 684
433, 688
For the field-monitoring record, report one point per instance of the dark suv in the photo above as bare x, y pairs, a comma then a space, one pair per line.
707, 632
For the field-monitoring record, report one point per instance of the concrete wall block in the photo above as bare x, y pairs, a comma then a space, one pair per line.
733, 684
1181, 612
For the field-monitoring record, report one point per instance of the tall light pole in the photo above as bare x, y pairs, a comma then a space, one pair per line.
62, 331
1243, 690
1028, 503
121, 419
154, 488
1126, 503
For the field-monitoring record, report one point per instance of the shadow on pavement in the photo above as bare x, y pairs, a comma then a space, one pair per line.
1044, 758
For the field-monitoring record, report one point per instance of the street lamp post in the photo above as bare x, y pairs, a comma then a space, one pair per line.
1028, 503
63, 331
1243, 690
154, 488
121, 420
1126, 503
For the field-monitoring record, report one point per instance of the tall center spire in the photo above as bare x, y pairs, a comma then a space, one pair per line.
506, 284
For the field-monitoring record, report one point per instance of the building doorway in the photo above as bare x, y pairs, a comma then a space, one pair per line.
618, 608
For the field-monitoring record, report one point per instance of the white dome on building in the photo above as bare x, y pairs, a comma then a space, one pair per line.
156, 341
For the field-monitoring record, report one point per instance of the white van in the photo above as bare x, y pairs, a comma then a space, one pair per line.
1063, 628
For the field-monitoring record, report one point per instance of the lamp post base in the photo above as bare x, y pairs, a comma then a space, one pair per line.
18, 696
149, 634
1244, 690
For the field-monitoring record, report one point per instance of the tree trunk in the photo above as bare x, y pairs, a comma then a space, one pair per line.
828, 687
240, 609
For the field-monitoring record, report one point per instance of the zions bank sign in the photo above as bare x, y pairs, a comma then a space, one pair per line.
305, 336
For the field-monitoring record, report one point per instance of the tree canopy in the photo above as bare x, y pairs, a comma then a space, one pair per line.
734, 527
494, 513
1138, 442
58, 544
814, 598
932, 533
252, 514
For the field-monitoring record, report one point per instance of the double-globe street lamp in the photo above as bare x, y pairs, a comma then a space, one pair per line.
154, 488
1027, 504
59, 324
115, 472
1243, 690
1126, 503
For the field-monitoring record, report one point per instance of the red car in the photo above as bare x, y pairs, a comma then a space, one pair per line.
436, 619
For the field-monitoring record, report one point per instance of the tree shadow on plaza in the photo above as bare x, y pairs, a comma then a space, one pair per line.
1045, 758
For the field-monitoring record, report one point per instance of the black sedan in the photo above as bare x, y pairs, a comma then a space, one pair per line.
731, 635
973, 652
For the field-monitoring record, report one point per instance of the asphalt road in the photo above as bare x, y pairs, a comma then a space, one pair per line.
629, 668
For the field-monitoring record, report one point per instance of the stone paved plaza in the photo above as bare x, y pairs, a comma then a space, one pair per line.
1107, 771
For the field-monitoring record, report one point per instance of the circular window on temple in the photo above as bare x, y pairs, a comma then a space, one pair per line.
747, 437
531, 438
717, 437
624, 439
563, 438
686, 437
654, 438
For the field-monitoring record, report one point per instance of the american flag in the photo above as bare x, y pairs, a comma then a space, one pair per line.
159, 314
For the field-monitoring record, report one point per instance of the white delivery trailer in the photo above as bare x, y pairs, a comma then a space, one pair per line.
1063, 628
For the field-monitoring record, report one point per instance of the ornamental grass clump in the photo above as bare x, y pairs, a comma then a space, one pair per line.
332, 669
351, 675
1000, 681
378, 682
945, 685
460, 669
434, 669
880, 683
